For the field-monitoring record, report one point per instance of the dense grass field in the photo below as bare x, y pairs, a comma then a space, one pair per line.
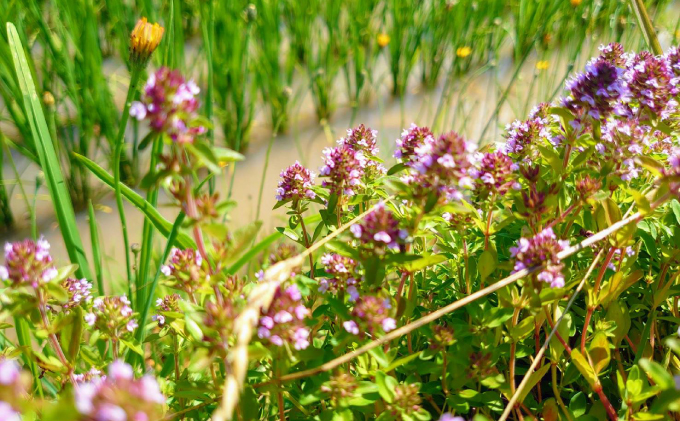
477, 214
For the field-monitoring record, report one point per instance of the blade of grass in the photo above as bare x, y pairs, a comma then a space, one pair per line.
24, 338
152, 288
48, 158
96, 251
162, 225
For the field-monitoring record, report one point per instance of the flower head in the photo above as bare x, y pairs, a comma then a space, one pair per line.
342, 271
371, 314
379, 230
119, 396
595, 92
284, 321
343, 169
143, 42
541, 250
406, 399
79, 291
185, 270
296, 184
496, 174
169, 303
649, 81
169, 103
112, 316
363, 139
410, 139
28, 263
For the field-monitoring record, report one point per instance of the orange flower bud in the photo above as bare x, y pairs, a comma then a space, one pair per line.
144, 40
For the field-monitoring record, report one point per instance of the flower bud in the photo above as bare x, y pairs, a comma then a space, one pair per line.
143, 42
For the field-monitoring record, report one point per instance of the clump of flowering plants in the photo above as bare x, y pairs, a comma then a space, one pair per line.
445, 287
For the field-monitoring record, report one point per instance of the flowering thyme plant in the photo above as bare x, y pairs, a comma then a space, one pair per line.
445, 287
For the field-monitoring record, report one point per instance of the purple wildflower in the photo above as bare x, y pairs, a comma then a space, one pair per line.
595, 92
380, 230
284, 321
362, 139
649, 81
169, 303
412, 138
28, 262
79, 291
343, 169
119, 396
371, 315
185, 270
112, 316
342, 271
169, 103
296, 184
495, 174
541, 250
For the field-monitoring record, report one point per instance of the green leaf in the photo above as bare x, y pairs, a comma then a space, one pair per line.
401, 361
656, 371
133, 347
487, 264
582, 364
424, 261
49, 161
150, 212
386, 385
599, 352
76, 335
675, 206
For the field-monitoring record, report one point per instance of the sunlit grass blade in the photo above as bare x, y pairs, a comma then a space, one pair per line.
162, 225
48, 157
24, 339
174, 232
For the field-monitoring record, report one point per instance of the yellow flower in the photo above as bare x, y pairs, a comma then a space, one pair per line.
383, 40
463, 52
144, 40
542, 65
575, 3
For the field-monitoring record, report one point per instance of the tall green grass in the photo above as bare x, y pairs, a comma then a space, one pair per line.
48, 157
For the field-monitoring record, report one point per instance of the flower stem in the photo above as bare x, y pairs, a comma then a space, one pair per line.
646, 26
53, 338
117, 152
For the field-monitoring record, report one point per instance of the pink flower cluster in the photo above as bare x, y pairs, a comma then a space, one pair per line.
441, 165
112, 316
185, 270
119, 396
522, 136
541, 250
28, 262
13, 388
363, 139
370, 314
284, 321
343, 169
296, 184
495, 174
412, 138
342, 269
596, 91
380, 229
79, 291
167, 303
649, 81
169, 104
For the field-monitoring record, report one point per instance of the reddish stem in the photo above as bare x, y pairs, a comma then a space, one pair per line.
611, 412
